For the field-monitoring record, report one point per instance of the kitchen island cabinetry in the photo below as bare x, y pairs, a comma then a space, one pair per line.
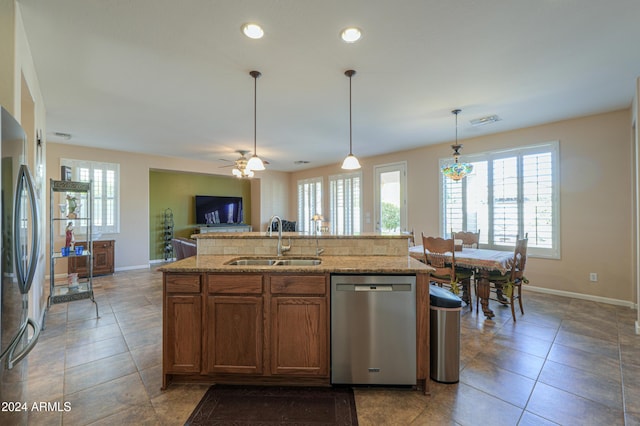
233, 324
267, 323
182, 323
299, 325
256, 327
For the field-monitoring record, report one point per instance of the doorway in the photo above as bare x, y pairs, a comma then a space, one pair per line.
390, 197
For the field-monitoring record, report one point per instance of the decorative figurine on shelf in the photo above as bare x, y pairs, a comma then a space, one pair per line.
73, 207
70, 239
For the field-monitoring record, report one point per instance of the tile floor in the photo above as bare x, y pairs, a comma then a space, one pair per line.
566, 361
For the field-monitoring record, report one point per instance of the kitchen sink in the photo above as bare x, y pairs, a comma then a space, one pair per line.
299, 262
261, 261
255, 262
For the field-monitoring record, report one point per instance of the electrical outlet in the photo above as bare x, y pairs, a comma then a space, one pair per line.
593, 277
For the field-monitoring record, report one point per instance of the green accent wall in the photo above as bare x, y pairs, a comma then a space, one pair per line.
176, 190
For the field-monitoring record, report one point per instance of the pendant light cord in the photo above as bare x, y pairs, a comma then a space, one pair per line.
456, 112
350, 73
255, 113
350, 120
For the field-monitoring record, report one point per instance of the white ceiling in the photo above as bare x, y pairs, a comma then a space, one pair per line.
171, 77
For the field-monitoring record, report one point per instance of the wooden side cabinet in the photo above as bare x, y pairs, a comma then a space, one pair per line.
103, 259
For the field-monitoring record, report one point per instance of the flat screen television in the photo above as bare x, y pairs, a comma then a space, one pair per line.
214, 210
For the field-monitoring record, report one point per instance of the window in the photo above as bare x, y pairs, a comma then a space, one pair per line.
106, 188
345, 211
309, 202
509, 193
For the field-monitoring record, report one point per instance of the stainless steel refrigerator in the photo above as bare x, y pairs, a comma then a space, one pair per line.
20, 249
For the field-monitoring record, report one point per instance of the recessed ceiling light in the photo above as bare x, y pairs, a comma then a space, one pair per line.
484, 120
253, 31
351, 34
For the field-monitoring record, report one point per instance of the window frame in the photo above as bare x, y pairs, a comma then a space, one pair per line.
356, 222
106, 198
304, 216
552, 147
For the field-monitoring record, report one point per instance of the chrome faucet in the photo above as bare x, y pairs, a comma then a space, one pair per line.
281, 248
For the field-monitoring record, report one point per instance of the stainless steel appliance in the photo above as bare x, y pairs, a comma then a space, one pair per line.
20, 249
373, 329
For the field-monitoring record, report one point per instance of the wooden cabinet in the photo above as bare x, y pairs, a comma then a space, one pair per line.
246, 328
103, 259
182, 324
299, 325
234, 324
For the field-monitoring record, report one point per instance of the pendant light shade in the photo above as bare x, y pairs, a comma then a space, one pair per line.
350, 162
457, 170
255, 163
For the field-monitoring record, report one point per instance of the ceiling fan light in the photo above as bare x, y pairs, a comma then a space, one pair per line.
255, 164
236, 172
351, 163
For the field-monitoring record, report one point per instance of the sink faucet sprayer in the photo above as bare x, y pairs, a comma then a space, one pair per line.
281, 248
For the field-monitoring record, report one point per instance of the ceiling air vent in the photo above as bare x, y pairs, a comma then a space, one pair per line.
485, 120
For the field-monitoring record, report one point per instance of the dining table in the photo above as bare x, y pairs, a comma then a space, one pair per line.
482, 262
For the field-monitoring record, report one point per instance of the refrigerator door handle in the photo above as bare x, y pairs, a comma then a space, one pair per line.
25, 183
13, 359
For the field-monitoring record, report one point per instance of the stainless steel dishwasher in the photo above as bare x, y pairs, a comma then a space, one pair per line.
373, 329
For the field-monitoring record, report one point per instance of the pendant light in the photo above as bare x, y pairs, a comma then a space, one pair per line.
457, 170
350, 162
255, 163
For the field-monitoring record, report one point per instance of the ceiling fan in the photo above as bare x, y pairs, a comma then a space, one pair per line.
240, 165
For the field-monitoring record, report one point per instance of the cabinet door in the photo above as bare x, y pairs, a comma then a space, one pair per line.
103, 257
79, 265
299, 325
299, 336
182, 335
234, 334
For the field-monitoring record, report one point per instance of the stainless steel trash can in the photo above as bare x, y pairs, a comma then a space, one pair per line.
445, 335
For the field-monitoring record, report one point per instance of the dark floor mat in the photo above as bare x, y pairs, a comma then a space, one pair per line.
275, 405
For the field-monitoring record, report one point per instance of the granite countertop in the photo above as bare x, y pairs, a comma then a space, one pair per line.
339, 264
295, 235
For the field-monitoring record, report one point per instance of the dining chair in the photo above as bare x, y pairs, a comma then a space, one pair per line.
440, 255
505, 286
412, 237
469, 239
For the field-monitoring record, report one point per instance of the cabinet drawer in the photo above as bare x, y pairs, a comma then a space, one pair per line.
234, 283
298, 284
102, 244
183, 283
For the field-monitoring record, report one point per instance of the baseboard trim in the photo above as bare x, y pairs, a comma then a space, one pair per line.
126, 268
156, 261
131, 268
600, 299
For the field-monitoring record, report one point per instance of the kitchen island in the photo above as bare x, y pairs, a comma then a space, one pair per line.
269, 323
